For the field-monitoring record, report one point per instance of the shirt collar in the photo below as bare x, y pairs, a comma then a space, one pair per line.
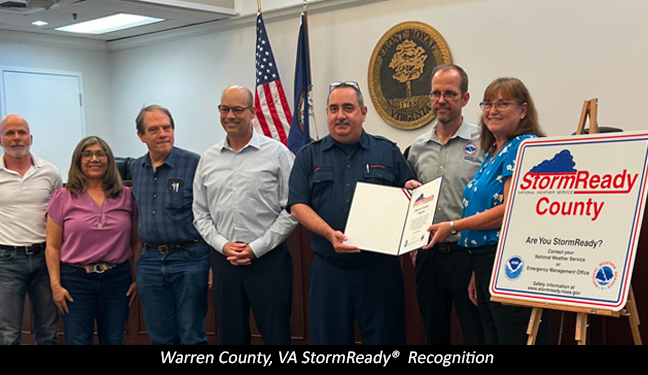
329, 142
170, 159
255, 142
463, 132
36, 162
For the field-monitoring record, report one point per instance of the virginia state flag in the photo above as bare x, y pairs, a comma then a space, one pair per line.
299, 128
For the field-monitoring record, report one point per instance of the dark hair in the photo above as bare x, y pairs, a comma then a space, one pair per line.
462, 73
77, 180
139, 120
510, 88
354, 86
250, 97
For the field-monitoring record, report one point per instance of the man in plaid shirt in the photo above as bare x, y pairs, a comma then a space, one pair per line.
173, 269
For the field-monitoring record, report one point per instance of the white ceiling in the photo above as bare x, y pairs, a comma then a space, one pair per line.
17, 15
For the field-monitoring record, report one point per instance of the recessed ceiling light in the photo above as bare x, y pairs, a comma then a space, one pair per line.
109, 24
39, 23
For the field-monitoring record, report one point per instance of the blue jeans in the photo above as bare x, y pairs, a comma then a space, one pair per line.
22, 274
96, 296
173, 289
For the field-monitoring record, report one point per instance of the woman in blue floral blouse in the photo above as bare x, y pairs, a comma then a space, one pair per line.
509, 116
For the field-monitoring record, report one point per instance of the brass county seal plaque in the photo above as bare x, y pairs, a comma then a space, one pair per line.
400, 73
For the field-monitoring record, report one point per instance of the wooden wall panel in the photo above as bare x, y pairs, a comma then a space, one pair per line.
602, 330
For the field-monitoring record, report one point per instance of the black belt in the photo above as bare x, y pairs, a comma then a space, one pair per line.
29, 249
167, 249
352, 260
481, 250
447, 247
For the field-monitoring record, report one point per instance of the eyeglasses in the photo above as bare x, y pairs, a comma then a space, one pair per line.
448, 95
500, 106
224, 110
335, 85
87, 155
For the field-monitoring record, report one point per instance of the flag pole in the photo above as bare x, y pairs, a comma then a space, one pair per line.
305, 11
305, 24
259, 6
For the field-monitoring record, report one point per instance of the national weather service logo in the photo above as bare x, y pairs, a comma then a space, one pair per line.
470, 150
400, 72
514, 267
605, 275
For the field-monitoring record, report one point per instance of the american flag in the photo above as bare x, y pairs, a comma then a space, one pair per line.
273, 116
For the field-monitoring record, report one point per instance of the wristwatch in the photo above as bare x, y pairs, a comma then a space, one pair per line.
452, 228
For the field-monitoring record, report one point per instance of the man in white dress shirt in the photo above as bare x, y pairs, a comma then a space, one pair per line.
240, 194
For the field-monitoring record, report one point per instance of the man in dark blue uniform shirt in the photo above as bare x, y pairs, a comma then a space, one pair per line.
347, 284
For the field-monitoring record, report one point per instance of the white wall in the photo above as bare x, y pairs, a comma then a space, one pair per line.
565, 51
187, 76
90, 59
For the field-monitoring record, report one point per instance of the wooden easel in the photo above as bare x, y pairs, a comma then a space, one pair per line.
590, 108
582, 314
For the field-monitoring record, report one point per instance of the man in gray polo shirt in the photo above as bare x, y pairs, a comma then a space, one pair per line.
450, 150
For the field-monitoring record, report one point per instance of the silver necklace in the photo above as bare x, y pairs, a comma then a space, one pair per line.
99, 217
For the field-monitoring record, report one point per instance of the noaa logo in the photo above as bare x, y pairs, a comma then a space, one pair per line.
470, 149
605, 275
514, 267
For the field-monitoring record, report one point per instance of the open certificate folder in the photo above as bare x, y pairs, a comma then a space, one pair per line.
391, 220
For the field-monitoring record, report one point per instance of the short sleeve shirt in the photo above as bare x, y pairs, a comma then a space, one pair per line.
325, 174
456, 162
24, 200
93, 234
486, 191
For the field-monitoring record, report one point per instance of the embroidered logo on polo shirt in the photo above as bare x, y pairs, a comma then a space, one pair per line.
470, 150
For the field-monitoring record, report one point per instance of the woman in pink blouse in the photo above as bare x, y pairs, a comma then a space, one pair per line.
91, 236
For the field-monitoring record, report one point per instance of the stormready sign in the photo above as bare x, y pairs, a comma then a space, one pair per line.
573, 219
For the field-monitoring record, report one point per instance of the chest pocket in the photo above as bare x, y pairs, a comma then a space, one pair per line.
176, 195
321, 186
379, 174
